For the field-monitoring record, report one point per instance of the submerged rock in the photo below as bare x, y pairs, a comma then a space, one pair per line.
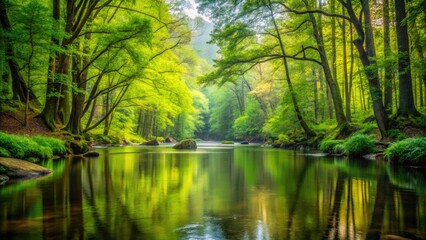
374, 156
186, 144
20, 169
91, 154
153, 142
3, 179
169, 140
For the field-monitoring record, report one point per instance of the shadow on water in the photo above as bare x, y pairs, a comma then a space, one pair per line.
221, 192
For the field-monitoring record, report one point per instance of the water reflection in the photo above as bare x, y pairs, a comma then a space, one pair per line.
215, 193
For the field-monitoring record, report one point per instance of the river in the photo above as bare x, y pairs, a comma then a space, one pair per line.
215, 192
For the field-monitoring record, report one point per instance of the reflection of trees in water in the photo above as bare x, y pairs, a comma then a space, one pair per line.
389, 211
310, 200
115, 225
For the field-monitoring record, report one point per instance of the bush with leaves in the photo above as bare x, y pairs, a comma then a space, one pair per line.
4, 152
329, 145
410, 151
358, 145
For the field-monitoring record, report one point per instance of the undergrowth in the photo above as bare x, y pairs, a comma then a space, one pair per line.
30, 148
410, 151
358, 145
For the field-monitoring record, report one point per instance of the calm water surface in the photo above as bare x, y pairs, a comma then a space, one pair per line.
215, 192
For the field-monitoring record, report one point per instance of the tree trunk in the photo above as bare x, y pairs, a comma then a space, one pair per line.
19, 87
331, 82
315, 86
107, 109
49, 111
57, 109
406, 99
387, 54
323, 91
78, 97
368, 55
308, 131
345, 72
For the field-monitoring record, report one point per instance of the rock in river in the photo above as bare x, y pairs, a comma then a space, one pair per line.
20, 169
186, 144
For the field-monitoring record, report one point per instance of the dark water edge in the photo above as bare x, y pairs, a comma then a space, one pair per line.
215, 192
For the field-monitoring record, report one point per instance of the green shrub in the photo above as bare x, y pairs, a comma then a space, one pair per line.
56, 145
396, 134
368, 127
227, 142
328, 145
283, 138
2, 169
9, 142
23, 147
339, 148
358, 145
410, 151
102, 139
4, 152
32, 149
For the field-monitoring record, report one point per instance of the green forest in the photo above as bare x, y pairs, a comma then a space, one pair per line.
242, 70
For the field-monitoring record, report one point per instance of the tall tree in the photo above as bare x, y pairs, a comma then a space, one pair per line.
235, 60
367, 53
20, 89
57, 108
387, 55
406, 97
324, 62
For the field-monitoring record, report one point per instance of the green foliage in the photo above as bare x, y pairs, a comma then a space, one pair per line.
249, 125
339, 148
396, 134
358, 145
4, 152
103, 139
24, 147
2, 169
329, 145
56, 145
410, 151
367, 128
283, 138
227, 142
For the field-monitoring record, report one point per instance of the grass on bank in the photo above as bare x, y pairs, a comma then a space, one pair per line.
410, 152
30, 148
357, 145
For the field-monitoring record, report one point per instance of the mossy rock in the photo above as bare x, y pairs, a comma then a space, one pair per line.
77, 147
153, 142
227, 142
186, 144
